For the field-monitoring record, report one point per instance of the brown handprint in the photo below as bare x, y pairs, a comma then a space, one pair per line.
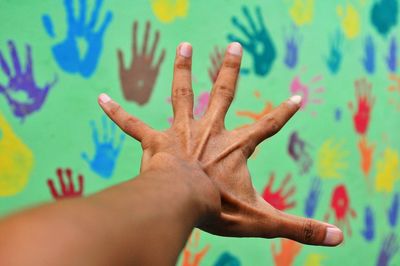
217, 57
138, 79
68, 189
289, 250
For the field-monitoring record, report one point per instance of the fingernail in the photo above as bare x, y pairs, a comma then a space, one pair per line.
333, 237
235, 48
104, 98
185, 49
296, 99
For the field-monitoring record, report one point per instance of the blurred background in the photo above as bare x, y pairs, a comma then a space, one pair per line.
337, 160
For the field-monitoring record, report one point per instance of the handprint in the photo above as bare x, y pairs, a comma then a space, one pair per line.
255, 116
335, 53
365, 103
292, 48
384, 15
68, 53
314, 260
138, 79
288, 253
391, 58
369, 55
340, 205
331, 159
366, 153
227, 259
16, 161
351, 22
393, 212
369, 230
313, 197
394, 88
388, 171
297, 149
168, 10
259, 43
279, 199
217, 58
199, 108
389, 249
68, 189
302, 11
22, 93
192, 257
107, 151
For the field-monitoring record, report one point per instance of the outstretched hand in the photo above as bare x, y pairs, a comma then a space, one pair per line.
222, 154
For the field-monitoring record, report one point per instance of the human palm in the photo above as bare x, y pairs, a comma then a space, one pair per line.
222, 154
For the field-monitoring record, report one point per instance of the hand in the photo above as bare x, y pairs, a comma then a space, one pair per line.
313, 197
393, 212
390, 247
365, 102
222, 154
67, 190
369, 231
279, 199
138, 79
369, 55
334, 59
391, 57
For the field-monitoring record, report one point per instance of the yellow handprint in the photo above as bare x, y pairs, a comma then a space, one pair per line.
167, 10
16, 161
314, 260
387, 171
302, 11
350, 20
330, 160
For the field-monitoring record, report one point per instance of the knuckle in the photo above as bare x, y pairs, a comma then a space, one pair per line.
115, 110
273, 124
183, 91
129, 124
308, 230
224, 91
232, 65
183, 65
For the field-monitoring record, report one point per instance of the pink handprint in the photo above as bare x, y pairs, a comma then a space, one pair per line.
68, 190
216, 60
279, 199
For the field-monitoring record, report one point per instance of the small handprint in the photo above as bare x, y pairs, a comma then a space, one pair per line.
394, 88
297, 150
393, 212
391, 57
167, 11
334, 59
216, 58
314, 260
22, 93
384, 15
390, 247
139, 77
69, 55
227, 259
369, 55
331, 159
107, 151
292, 43
366, 153
302, 11
388, 170
279, 199
191, 255
369, 224
259, 42
288, 253
350, 20
68, 189
313, 198
365, 103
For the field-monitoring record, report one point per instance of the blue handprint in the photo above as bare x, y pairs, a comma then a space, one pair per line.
312, 198
389, 248
259, 43
369, 55
22, 93
335, 53
67, 52
107, 152
292, 48
227, 259
393, 212
391, 58
369, 230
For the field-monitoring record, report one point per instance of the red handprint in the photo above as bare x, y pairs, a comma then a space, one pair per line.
67, 190
278, 199
216, 60
289, 250
365, 102
340, 204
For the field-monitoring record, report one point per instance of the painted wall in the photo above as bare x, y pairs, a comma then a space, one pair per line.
337, 160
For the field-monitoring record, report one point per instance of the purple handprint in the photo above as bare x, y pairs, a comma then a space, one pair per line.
297, 149
389, 248
21, 81
313, 197
391, 58
292, 48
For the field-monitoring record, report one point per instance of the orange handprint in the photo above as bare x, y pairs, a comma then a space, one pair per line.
289, 250
366, 152
191, 257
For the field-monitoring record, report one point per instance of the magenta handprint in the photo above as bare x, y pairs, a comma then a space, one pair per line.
279, 199
21, 81
67, 187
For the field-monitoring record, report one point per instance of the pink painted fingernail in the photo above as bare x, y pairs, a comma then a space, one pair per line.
333, 237
296, 99
235, 48
185, 49
104, 98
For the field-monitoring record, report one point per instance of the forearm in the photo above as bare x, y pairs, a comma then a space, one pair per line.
143, 221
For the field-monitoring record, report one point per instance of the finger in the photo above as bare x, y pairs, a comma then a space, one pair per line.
134, 39
182, 94
95, 14
128, 123
249, 18
14, 57
308, 231
154, 46
146, 37
4, 66
82, 13
121, 62
223, 90
240, 26
160, 60
272, 122
28, 65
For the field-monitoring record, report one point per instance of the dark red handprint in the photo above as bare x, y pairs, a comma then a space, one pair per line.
365, 102
216, 60
279, 199
340, 205
68, 189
